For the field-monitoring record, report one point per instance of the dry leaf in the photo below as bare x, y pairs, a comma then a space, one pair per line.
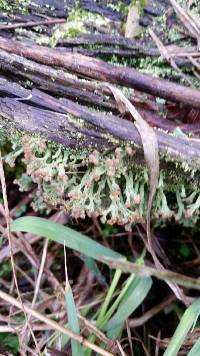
188, 21
133, 27
150, 146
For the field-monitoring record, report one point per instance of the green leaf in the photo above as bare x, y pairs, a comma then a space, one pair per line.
92, 267
188, 320
73, 320
116, 333
134, 296
10, 342
63, 235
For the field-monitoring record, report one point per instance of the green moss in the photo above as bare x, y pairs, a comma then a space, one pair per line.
140, 4
14, 5
75, 24
120, 6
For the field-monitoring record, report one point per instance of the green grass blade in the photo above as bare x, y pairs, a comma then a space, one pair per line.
187, 322
134, 296
63, 235
115, 333
73, 320
117, 301
195, 350
109, 296
93, 268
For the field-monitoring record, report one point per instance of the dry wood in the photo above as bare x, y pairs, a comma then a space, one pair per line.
60, 83
54, 324
53, 124
100, 70
32, 24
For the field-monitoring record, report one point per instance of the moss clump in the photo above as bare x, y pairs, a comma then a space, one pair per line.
111, 186
14, 5
140, 4
76, 24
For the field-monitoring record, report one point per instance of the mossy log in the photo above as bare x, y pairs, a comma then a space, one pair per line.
92, 162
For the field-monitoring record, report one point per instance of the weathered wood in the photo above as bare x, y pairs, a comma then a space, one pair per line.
56, 125
125, 47
31, 24
48, 124
59, 83
100, 70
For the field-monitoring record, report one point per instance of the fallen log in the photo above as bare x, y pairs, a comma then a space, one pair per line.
100, 70
55, 125
125, 47
99, 167
31, 24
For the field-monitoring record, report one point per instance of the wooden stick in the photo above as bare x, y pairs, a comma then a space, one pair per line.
59, 83
32, 24
100, 70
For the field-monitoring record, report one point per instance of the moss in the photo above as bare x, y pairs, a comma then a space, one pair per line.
140, 4
14, 5
76, 23
120, 6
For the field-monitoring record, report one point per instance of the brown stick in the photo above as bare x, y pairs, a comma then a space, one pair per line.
59, 83
100, 70
32, 24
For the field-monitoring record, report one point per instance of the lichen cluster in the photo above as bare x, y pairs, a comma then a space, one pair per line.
111, 186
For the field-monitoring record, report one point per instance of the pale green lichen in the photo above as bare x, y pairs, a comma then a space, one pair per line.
113, 186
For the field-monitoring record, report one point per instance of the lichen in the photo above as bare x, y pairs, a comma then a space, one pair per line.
112, 186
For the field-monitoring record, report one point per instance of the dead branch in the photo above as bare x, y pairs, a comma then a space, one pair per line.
100, 70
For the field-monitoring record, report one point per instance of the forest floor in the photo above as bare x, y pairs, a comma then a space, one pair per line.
81, 273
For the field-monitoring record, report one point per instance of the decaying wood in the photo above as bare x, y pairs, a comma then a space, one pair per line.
60, 83
124, 47
50, 119
31, 24
100, 70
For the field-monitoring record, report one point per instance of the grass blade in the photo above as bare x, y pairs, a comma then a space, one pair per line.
134, 296
72, 313
63, 235
73, 320
188, 319
93, 268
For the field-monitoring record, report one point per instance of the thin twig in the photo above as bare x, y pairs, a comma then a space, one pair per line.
7, 217
36, 290
6, 297
32, 24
